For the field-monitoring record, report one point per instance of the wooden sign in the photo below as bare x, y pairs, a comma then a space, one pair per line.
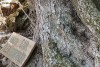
18, 49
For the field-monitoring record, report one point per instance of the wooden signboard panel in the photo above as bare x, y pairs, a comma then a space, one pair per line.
18, 49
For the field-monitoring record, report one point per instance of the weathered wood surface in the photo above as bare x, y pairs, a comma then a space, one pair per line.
18, 49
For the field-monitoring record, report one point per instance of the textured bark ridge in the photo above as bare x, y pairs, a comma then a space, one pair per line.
89, 14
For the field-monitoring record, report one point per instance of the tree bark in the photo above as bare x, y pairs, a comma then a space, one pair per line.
66, 32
